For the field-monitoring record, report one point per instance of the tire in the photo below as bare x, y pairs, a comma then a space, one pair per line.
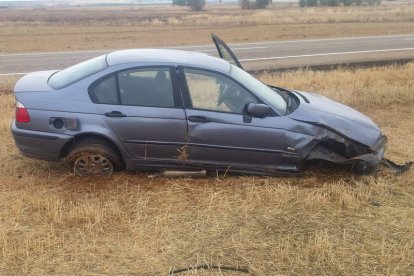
93, 156
364, 168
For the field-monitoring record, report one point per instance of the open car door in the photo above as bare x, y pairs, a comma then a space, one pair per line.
225, 52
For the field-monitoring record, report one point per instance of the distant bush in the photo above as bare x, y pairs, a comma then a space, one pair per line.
261, 4
374, 2
179, 2
334, 3
311, 3
245, 4
254, 4
195, 5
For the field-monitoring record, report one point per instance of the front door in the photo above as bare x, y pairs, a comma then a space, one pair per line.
143, 107
219, 130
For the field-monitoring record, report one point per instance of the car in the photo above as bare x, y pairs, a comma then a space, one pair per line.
154, 109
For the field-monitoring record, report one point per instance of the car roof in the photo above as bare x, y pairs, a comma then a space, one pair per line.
168, 56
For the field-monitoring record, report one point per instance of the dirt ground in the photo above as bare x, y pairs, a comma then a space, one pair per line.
326, 222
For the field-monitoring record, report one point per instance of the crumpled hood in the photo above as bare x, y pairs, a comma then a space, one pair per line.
338, 117
34, 82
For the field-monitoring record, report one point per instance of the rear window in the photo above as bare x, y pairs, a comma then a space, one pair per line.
77, 72
105, 91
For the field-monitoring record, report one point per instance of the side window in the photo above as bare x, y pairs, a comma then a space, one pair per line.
215, 92
146, 87
105, 92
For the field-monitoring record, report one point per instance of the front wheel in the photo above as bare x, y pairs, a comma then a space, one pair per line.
364, 168
93, 157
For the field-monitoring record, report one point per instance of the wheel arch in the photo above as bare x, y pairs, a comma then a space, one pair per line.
92, 135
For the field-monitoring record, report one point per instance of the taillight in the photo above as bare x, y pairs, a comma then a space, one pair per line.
22, 115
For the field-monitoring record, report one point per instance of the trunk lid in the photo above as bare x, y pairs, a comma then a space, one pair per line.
34, 82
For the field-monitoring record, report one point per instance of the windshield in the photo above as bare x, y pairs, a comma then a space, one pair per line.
77, 72
261, 90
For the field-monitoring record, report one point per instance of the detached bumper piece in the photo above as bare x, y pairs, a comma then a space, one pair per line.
395, 168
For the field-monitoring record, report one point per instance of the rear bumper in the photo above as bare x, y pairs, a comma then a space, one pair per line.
39, 145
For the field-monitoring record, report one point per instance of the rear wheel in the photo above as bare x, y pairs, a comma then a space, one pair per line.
93, 157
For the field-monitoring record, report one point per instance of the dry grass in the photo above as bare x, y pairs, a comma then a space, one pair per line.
327, 222
7, 83
212, 16
34, 30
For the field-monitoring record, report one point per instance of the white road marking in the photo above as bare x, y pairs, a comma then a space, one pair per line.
54, 53
107, 51
57, 53
407, 37
12, 74
304, 40
328, 54
325, 39
234, 49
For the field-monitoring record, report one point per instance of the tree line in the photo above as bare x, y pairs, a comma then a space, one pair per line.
198, 5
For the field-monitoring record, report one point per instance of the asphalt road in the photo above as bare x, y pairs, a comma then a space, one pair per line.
253, 56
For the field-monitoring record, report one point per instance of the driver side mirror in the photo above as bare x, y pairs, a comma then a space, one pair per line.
258, 110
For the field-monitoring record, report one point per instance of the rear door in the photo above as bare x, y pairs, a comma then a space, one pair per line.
225, 52
144, 108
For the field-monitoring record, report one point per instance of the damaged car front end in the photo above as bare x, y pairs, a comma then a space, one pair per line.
340, 134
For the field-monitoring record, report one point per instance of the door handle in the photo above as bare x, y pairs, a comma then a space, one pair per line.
198, 119
116, 114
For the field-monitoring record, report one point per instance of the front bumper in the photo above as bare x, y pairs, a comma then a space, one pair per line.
377, 154
39, 145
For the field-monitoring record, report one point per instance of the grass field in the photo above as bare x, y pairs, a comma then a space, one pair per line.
25, 30
326, 222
